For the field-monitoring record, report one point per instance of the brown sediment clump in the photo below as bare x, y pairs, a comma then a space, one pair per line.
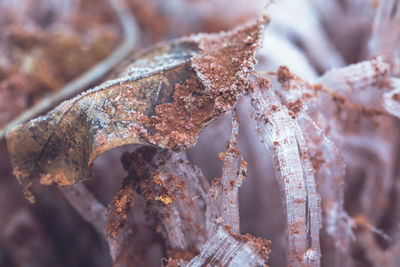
117, 211
218, 76
284, 74
396, 97
295, 107
317, 160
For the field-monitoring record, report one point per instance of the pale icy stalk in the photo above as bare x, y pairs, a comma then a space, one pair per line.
284, 139
356, 76
222, 249
232, 179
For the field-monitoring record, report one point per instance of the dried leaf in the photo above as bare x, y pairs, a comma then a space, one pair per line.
164, 98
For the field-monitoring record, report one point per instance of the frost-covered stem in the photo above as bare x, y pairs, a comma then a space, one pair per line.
284, 139
313, 211
184, 226
327, 160
232, 179
222, 249
356, 76
213, 212
330, 174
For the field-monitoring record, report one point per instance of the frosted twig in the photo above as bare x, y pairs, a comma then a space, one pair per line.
356, 76
131, 33
222, 249
232, 179
283, 137
326, 158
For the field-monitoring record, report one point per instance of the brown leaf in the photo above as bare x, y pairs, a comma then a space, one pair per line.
164, 98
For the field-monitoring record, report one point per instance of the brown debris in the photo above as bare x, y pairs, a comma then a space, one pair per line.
117, 211
396, 97
295, 107
284, 74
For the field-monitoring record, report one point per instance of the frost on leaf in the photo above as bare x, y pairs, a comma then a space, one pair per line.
165, 97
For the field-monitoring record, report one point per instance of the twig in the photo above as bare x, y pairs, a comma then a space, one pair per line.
90, 209
131, 32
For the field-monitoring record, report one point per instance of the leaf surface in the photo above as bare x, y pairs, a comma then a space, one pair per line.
164, 98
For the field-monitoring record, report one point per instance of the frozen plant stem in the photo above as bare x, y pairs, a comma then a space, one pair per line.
232, 177
222, 249
284, 139
131, 34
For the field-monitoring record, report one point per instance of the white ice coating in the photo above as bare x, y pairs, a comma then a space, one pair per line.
224, 250
222, 197
330, 176
231, 181
283, 137
330, 173
213, 211
158, 63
